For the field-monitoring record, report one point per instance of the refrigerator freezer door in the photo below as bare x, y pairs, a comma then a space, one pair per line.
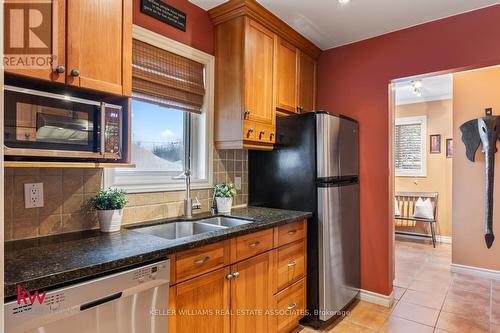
337, 146
338, 223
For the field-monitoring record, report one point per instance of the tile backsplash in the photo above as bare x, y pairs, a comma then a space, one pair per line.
67, 191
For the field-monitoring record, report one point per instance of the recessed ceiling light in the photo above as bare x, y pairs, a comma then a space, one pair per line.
343, 2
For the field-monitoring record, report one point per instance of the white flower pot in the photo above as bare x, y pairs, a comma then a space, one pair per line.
224, 205
110, 220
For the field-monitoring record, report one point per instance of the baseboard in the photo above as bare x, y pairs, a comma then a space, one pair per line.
440, 239
444, 239
476, 271
371, 297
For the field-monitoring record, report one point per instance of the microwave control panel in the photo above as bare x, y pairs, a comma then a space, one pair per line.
112, 131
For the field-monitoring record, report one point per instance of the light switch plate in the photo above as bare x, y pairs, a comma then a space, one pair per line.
237, 183
33, 195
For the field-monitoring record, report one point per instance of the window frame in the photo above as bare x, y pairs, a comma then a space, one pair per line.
422, 172
146, 181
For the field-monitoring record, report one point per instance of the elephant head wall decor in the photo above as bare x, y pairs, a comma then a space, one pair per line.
485, 131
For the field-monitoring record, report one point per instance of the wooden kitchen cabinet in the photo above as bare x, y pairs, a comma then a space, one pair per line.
264, 273
251, 295
307, 83
202, 304
259, 73
244, 92
92, 44
57, 45
262, 65
287, 62
99, 35
296, 80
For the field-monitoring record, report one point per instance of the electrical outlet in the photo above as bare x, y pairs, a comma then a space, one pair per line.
33, 195
237, 183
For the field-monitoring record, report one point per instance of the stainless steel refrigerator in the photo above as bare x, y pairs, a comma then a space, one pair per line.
314, 167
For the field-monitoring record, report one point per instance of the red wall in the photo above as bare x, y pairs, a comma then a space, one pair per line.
353, 80
199, 29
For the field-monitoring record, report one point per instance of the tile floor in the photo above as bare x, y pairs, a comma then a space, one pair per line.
428, 298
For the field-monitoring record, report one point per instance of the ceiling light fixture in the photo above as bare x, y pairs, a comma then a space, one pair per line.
343, 2
417, 87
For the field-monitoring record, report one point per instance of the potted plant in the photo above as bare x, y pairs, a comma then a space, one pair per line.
224, 194
109, 205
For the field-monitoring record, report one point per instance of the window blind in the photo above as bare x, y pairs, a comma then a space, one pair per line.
166, 79
408, 147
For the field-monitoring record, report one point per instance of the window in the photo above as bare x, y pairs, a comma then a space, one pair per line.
409, 146
172, 116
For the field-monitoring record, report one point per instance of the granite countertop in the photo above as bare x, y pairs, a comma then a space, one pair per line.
48, 262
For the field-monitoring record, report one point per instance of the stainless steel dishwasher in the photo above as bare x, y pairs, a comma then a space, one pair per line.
132, 301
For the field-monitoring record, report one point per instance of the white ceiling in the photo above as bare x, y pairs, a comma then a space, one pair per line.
434, 88
327, 23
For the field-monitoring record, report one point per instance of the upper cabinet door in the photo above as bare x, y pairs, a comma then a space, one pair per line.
56, 72
307, 83
259, 73
99, 37
286, 77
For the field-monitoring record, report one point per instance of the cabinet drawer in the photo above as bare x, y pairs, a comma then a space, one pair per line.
290, 264
252, 244
249, 130
290, 306
198, 261
290, 232
265, 133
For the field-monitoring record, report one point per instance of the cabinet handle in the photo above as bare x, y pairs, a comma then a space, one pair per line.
292, 306
271, 135
292, 264
292, 232
236, 275
298, 109
254, 244
229, 276
250, 130
60, 69
246, 114
75, 73
201, 261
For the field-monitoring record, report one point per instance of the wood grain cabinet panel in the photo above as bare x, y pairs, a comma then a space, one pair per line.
249, 245
259, 73
287, 63
307, 83
290, 305
99, 45
251, 295
291, 264
202, 304
200, 260
289, 233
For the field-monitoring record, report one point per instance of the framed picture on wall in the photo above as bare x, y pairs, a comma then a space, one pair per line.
435, 145
449, 148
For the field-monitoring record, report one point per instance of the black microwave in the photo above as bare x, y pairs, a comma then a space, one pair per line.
41, 124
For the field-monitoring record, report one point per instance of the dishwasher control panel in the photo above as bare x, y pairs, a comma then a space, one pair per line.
33, 306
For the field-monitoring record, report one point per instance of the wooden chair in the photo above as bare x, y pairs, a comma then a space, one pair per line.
406, 202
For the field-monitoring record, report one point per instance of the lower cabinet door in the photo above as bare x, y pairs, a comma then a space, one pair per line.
201, 305
251, 295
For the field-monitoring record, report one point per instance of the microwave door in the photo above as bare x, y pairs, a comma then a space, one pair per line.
59, 129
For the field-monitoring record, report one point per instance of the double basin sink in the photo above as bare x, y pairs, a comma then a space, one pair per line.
177, 230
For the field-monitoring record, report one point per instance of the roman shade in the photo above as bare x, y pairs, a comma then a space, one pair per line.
166, 79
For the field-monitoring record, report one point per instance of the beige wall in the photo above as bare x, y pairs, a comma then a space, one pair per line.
66, 193
439, 168
473, 92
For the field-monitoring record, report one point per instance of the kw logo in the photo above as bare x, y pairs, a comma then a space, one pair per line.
22, 295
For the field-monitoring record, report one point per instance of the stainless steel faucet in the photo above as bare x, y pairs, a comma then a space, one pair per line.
189, 205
